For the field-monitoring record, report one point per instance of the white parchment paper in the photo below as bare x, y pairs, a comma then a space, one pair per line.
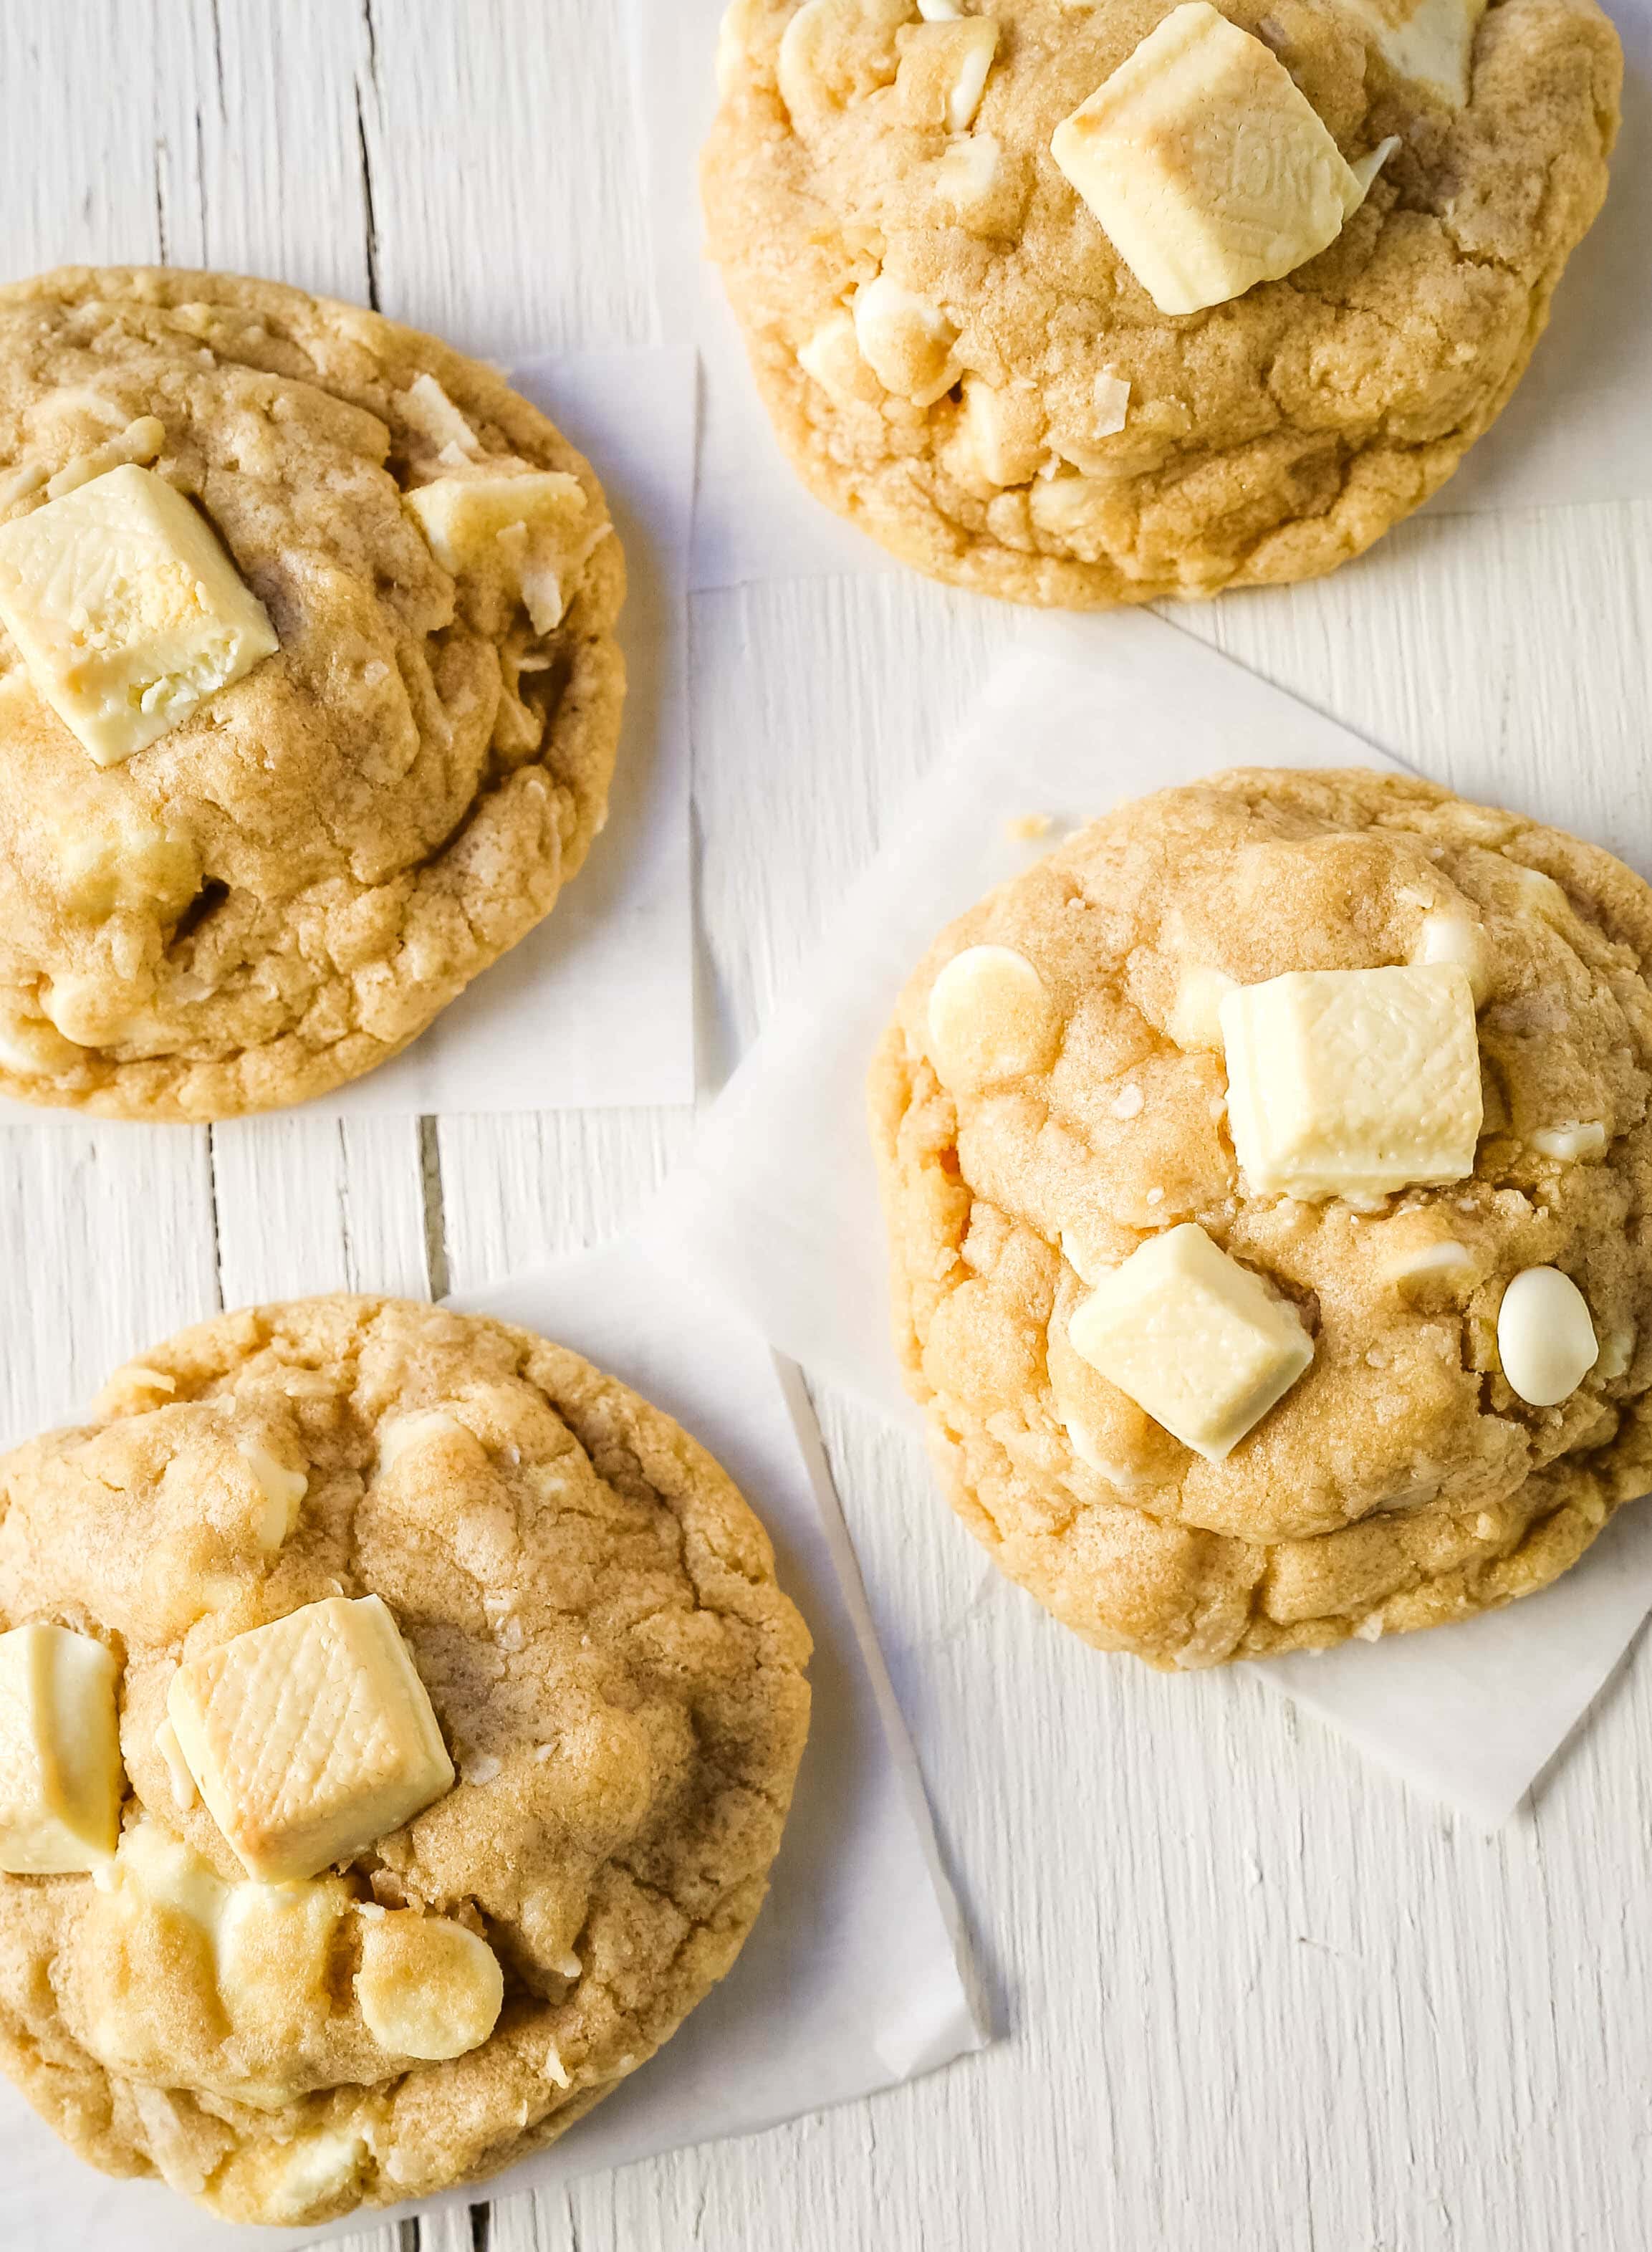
1577, 428
855, 1976
595, 1007
779, 1204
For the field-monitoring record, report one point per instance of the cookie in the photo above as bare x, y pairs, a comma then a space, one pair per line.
458, 1715
964, 271
1268, 1178
310, 695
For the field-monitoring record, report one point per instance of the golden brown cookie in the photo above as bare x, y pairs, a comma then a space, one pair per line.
335, 1551
958, 357
291, 873
1423, 1430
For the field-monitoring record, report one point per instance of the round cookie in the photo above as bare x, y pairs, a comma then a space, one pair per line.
592, 1609
1030, 1141
956, 358
284, 889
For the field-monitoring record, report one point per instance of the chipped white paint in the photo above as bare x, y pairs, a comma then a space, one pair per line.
1251, 1993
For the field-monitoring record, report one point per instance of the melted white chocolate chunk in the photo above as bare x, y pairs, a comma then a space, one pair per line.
1193, 1338
60, 1775
310, 1738
1206, 164
943, 71
990, 1018
905, 340
532, 530
1429, 40
1353, 1082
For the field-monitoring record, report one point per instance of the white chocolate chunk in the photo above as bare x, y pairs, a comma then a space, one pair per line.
990, 1018
940, 12
177, 1770
531, 529
312, 2169
127, 610
283, 1490
405, 1434
905, 340
1003, 430
60, 1775
140, 442
1205, 164
1445, 936
1617, 1351
943, 71
426, 408
1365, 169
1545, 1337
827, 60
1428, 40
832, 357
968, 171
427, 1987
310, 1738
1193, 1338
1111, 396
1578, 1139
1426, 1262
1196, 1014
734, 44
1353, 1082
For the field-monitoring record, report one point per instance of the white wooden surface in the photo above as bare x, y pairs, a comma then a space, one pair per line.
1251, 1995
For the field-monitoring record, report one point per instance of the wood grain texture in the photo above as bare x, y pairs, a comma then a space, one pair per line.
1252, 1995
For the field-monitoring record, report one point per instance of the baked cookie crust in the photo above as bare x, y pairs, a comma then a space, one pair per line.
593, 1609
285, 890
1264, 440
1400, 1483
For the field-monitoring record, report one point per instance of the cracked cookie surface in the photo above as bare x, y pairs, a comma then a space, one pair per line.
1400, 1482
284, 890
593, 1610
1264, 440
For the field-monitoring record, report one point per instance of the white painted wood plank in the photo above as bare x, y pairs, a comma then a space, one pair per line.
306, 1204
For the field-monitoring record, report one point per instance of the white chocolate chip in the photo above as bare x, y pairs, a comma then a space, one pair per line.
905, 340
940, 12
1580, 1138
427, 1987
990, 1018
1545, 1338
1370, 1628
1127, 1103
